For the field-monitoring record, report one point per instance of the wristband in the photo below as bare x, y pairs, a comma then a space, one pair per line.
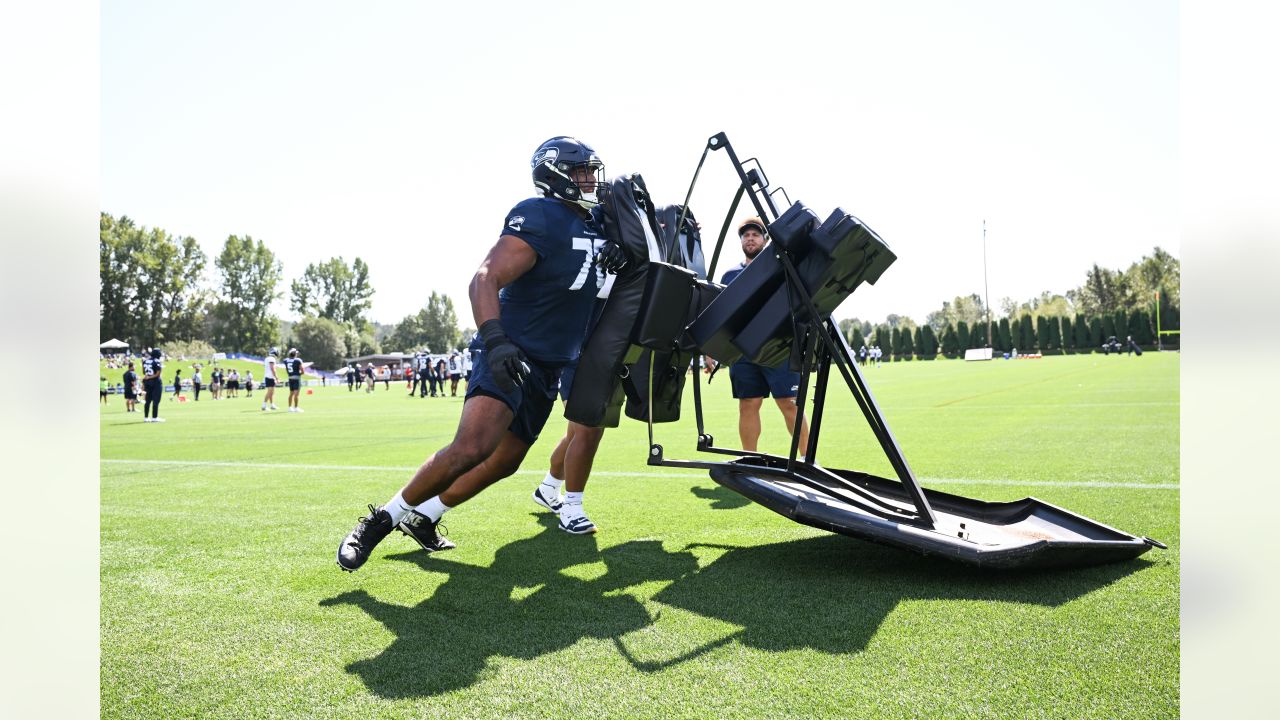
492, 333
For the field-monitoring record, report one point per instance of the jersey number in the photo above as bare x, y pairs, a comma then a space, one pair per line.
589, 247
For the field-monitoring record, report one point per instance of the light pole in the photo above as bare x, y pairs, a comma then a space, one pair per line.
986, 295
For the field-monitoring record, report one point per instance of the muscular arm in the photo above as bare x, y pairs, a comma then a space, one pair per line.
507, 260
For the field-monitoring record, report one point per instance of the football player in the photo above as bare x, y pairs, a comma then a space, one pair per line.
531, 299
293, 369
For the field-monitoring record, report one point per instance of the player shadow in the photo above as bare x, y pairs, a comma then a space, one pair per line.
524, 605
721, 497
828, 594
832, 593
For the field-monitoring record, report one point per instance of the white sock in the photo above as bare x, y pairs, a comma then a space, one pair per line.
433, 509
572, 504
552, 484
397, 508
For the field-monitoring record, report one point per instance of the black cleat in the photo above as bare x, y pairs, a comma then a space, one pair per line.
370, 531
424, 532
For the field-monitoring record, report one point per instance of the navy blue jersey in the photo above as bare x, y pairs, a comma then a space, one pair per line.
732, 273
293, 366
545, 311
151, 366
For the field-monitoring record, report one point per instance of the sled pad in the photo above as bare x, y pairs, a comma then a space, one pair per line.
1025, 533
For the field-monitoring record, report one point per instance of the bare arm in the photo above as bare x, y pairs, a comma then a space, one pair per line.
507, 260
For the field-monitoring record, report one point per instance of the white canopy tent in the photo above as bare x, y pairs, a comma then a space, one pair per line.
113, 345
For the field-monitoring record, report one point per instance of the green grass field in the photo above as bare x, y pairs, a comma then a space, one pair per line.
220, 596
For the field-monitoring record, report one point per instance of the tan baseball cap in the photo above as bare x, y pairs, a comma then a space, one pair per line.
752, 221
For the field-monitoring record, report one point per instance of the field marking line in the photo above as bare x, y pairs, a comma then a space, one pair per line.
531, 473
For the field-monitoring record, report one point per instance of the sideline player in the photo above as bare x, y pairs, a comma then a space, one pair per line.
269, 379
293, 368
751, 382
531, 299
153, 386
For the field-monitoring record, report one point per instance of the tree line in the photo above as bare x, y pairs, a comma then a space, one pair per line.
153, 292
1123, 303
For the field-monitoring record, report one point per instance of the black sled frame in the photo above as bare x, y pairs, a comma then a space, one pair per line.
901, 513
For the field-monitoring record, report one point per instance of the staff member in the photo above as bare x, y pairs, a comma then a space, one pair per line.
293, 366
153, 386
130, 389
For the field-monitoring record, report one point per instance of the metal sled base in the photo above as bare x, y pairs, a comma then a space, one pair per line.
1025, 533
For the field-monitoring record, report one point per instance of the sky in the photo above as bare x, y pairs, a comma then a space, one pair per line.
401, 132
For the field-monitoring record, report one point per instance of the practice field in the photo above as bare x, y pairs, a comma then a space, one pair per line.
221, 598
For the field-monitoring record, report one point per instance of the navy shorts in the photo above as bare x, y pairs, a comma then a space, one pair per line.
750, 380
531, 402
295, 384
269, 382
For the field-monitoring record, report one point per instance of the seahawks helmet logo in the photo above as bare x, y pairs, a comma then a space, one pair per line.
515, 222
546, 155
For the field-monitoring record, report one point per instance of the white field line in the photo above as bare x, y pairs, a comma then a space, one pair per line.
408, 470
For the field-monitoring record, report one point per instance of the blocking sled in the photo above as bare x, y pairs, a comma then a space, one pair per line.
779, 309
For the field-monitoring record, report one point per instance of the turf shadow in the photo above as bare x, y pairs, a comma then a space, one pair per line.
828, 594
832, 593
521, 606
721, 497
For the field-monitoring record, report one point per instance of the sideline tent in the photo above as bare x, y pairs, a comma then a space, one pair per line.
113, 346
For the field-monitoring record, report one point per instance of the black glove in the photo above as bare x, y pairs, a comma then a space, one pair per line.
506, 360
612, 257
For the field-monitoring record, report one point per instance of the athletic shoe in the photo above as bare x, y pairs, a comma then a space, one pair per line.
298, 409
159, 419
273, 407
578, 525
370, 531
146, 419
553, 503
424, 532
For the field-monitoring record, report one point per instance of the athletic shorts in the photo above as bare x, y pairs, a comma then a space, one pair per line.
269, 382
102, 393
531, 402
295, 384
750, 380
455, 376
130, 395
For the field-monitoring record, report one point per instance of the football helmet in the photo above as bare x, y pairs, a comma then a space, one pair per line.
553, 164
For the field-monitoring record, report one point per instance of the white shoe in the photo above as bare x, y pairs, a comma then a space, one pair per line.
273, 407
146, 419
264, 408
577, 524
157, 419
552, 503
298, 409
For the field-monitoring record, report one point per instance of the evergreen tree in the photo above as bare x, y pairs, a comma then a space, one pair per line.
1006, 340
921, 345
857, 341
962, 334
1082, 342
1054, 327
1122, 324
933, 344
950, 343
1095, 333
1068, 338
1015, 335
1140, 327
1108, 327
1027, 340
1042, 334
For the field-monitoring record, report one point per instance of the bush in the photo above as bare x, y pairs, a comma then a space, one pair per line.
1006, 341
1082, 341
950, 342
320, 341
188, 349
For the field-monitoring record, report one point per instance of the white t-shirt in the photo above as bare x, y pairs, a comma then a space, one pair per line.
466, 360
269, 367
